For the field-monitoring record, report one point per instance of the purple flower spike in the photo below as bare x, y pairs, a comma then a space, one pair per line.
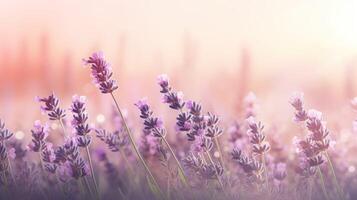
39, 134
5, 134
79, 121
297, 101
174, 99
51, 107
257, 137
101, 72
163, 81
151, 123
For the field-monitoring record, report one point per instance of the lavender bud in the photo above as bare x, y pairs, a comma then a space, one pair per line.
51, 107
101, 72
5, 134
39, 134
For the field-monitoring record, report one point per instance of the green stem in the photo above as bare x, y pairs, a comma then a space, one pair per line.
135, 147
92, 172
181, 171
9, 165
125, 158
265, 172
219, 151
323, 183
218, 178
81, 187
339, 190
63, 128
88, 186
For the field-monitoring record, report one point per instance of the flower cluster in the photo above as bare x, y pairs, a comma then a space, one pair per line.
174, 99
205, 171
39, 134
250, 105
152, 124
68, 155
198, 127
101, 72
48, 157
297, 102
5, 153
250, 166
317, 141
257, 136
148, 145
114, 140
51, 107
5, 134
79, 121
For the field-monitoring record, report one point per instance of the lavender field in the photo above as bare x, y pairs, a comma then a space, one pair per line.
178, 100
195, 155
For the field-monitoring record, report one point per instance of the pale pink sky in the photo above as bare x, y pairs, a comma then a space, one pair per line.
280, 34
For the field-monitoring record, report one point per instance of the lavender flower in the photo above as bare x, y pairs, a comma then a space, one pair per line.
174, 99
319, 133
69, 156
280, 171
79, 121
51, 107
4, 154
101, 72
297, 102
202, 169
148, 144
39, 134
151, 123
250, 105
250, 166
114, 140
257, 137
5, 134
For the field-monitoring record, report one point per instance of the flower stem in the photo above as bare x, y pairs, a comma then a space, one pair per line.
9, 165
183, 177
125, 158
218, 178
88, 186
220, 151
340, 192
135, 147
92, 172
265, 172
63, 128
323, 183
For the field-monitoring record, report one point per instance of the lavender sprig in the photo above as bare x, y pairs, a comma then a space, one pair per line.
101, 73
155, 126
53, 110
317, 141
5, 164
198, 126
82, 130
174, 99
259, 143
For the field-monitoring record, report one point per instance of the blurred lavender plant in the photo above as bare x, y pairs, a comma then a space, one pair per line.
82, 130
154, 125
198, 127
52, 109
5, 154
315, 145
101, 72
102, 75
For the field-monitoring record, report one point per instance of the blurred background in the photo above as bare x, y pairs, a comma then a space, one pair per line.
214, 51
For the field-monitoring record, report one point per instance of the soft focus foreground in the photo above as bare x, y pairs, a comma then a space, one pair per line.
190, 154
